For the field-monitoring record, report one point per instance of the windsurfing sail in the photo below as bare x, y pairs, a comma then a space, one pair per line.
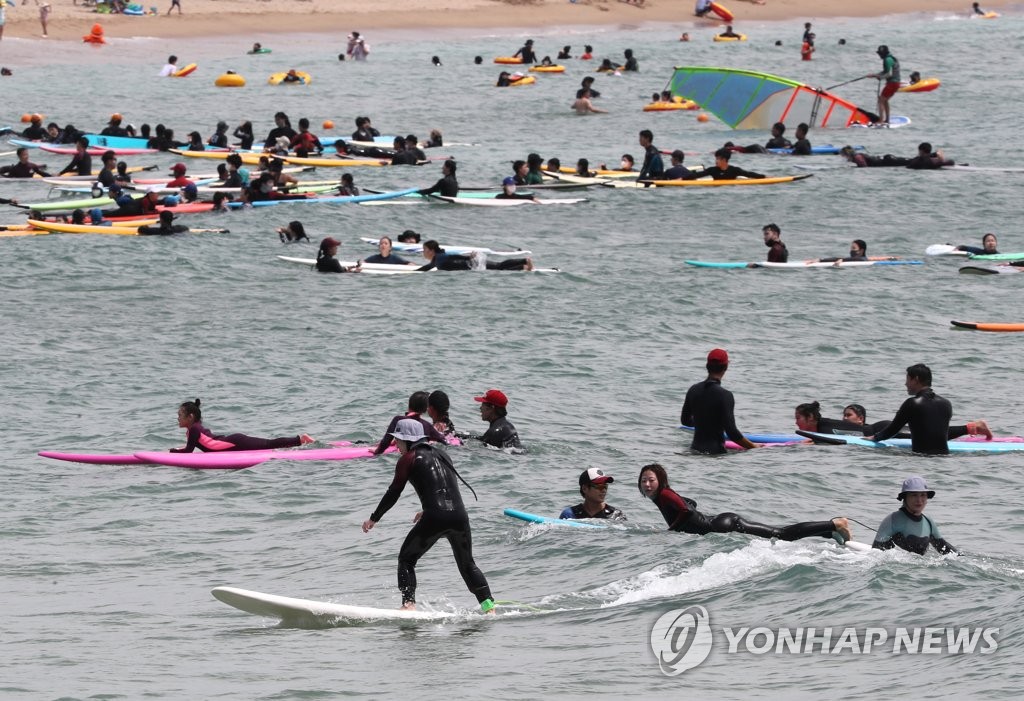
752, 100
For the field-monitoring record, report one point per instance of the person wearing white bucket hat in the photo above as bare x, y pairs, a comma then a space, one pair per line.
432, 473
909, 528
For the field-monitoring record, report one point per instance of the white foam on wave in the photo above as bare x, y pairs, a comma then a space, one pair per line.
759, 557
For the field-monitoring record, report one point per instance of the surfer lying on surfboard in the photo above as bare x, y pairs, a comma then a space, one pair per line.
681, 514
190, 418
808, 418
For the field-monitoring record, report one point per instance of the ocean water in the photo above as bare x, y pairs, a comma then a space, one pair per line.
108, 569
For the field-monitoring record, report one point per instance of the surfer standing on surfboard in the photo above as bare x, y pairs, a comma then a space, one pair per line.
432, 474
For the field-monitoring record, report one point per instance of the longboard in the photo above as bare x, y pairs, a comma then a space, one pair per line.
454, 250
987, 326
308, 613
905, 443
131, 459
799, 265
238, 459
727, 183
572, 523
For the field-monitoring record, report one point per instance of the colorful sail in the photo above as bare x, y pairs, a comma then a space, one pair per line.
752, 100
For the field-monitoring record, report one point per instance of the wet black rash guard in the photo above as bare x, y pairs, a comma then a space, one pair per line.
708, 407
928, 415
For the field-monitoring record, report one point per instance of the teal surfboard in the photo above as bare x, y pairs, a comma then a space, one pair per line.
954, 446
534, 518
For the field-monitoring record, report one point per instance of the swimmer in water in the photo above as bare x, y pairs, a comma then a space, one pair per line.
908, 528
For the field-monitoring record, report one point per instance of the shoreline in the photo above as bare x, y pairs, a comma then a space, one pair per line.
214, 18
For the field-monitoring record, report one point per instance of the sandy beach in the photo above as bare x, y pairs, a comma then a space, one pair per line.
70, 21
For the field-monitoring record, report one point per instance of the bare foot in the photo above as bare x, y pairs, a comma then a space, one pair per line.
408, 606
305, 439
529, 264
842, 527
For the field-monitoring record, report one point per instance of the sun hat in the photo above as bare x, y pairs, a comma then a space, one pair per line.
409, 430
915, 483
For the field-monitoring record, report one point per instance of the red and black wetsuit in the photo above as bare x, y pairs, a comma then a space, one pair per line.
433, 475
200, 437
681, 515
708, 407
778, 253
928, 415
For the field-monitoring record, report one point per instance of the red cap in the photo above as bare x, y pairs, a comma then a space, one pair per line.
493, 396
178, 168
718, 355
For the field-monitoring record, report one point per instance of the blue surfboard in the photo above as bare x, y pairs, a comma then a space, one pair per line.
534, 518
762, 437
904, 443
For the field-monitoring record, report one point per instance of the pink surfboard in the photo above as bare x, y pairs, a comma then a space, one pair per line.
237, 459
104, 459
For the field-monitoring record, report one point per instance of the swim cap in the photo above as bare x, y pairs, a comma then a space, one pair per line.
718, 355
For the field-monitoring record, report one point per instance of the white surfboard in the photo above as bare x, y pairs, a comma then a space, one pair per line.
367, 268
858, 547
475, 202
943, 249
308, 613
450, 248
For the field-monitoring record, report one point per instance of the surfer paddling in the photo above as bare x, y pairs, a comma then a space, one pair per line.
989, 246
681, 514
432, 473
708, 407
908, 528
190, 418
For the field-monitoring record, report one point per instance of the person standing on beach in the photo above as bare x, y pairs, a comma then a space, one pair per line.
3, 17
890, 73
174, 3
44, 16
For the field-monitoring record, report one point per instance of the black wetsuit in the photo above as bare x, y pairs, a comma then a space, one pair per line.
887, 161
200, 437
730, 173
275, 134
23, 170
405, 158
428, 430
81, 164
653, 167
778, 142
501, 434
433, 475
802, 148
447, 186
681, 515
365, 134
679, 172
245, 137
392, 259
34, 132
329, 264
928, 415
154, 230
608, 512
708, 407
929, 162
778, 253
526, 53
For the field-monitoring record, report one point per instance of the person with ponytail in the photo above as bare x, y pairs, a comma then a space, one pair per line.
190, 418
680, 513
327, 263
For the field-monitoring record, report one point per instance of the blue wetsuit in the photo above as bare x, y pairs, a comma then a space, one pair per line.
914, 533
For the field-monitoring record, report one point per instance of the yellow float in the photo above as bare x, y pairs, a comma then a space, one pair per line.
547, 69
229, 80
187, 70
924, 85
508, 59
279, 78
741, 37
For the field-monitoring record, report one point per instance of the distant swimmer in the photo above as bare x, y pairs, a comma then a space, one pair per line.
326, 261
526, 53
653, 167
588, 53
777, 251
508, 191
430, 470
190, 418
681, 515
588, 84
608, 67
677, 171
908, 528
807, 31
927, 413
729, 33
24, 168
494, 410
565, 53
292, 232
448, 185
708, 407
357, 48
415, 408
976, 10
164, 227
256, 48
594, 489
723, 171
890, 73
583, 105
631, 62
685, 36
347, 186
778, 138
989, 246
292, 76
802, 145
435, 60
385, 255
170, 68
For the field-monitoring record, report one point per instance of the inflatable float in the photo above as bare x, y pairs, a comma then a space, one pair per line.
547, 69
519, 80
508, 59
740, 37
722, 11
229, 80
261, 51
923, 85
278, 78
671, 106
187, 70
